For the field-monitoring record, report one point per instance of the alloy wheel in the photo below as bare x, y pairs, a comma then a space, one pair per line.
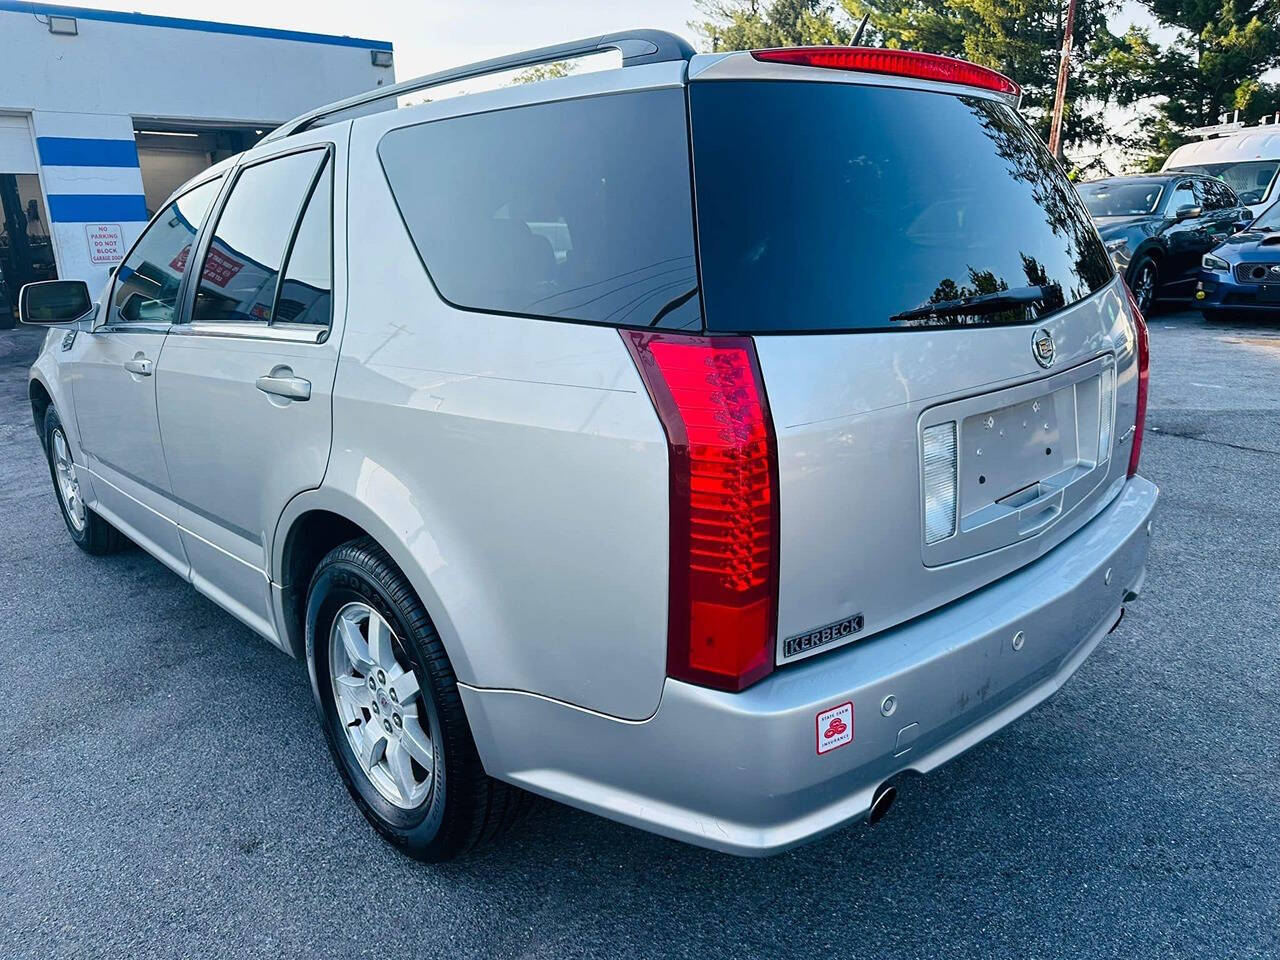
1145, 288
381, 707
67, 483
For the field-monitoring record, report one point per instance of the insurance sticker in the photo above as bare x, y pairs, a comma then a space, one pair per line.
835, 727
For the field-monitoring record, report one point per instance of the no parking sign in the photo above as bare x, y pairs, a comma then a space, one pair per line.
106, 242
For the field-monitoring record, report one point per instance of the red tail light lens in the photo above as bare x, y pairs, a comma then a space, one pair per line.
724, 505
901, 63
1144, 363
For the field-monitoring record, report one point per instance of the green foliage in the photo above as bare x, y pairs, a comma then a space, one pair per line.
544, 71
1220, 51
755, 24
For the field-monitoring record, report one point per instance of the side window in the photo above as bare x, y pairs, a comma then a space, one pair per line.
240, 270
1225, 196
307, 288
1183, 196
600, 232
146, 289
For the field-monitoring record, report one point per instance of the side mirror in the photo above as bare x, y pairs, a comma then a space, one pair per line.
54, 301
1188, 212
1244, 221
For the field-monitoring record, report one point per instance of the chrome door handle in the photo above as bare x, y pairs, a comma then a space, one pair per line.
139, 365
291, 388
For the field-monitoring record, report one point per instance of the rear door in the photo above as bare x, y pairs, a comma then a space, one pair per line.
926, 445
113, 380
245, 381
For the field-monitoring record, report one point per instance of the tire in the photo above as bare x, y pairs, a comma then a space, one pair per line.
90, 532
462, 806
1144, 281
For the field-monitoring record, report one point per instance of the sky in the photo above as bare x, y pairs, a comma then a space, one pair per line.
435, 34
430, 35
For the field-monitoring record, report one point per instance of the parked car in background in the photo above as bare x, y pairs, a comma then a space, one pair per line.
710, 496
1248, 161
1241, 276
1157, 227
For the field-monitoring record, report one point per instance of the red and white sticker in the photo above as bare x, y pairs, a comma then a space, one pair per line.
835, 727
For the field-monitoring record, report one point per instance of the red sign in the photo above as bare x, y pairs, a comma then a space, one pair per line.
218, 267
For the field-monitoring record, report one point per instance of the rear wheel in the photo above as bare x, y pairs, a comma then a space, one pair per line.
90, 532
1144, 282
391, 712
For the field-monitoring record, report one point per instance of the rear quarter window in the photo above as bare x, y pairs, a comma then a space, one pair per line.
839, 206
572, 210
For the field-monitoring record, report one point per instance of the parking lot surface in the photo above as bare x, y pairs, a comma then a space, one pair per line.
166, 790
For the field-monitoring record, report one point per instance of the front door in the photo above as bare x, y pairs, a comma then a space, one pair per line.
113, 379
244, 384
1188, 239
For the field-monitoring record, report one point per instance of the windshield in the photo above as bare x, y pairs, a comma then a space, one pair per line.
1250, 179
1131, 198
827, 206
1268, 219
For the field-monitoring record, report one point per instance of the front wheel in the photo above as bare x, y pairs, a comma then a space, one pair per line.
90, 532
1145, 283
389, 703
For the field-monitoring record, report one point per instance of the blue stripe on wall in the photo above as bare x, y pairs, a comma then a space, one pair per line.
178, 23
92, 207
86, 152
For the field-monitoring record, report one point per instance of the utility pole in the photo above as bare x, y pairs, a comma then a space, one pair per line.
1060, 97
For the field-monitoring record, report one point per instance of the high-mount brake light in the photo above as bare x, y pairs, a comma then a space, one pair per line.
1144, 364
900, 63
723, 603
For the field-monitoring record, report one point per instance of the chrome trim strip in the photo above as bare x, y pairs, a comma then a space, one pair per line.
285, 332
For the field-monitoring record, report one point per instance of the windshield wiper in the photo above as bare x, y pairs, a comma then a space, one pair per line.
983, 303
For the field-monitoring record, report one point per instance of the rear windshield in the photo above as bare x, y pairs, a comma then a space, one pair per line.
1130, 198
836, 206
574, 210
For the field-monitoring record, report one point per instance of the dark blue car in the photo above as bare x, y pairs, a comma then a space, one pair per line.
1241, 276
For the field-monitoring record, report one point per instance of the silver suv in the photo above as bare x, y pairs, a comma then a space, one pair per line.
704, 442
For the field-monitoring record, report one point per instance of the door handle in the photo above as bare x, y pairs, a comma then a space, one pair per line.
291, 388
139, 365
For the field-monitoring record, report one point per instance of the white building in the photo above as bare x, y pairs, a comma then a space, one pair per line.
103, 114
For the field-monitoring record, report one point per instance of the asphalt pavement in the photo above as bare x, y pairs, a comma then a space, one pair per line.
165, 790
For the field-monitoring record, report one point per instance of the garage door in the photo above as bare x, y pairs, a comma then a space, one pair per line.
17, 155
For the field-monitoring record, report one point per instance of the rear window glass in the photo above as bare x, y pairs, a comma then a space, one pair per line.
577, 210
836, 206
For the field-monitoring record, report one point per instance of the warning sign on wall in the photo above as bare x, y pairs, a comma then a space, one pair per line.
106, 242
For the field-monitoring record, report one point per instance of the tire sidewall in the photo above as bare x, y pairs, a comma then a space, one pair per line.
337, 583
1146, 260
53, 422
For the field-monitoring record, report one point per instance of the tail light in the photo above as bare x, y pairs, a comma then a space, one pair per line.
900, 63
723, 602
1144, 363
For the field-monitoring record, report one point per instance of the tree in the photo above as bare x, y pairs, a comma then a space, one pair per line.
544, 71
1215, 63
1020, 38
753, 24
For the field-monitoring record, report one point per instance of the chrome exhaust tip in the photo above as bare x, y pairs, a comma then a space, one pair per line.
880, 803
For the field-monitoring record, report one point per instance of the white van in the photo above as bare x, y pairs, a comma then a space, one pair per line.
1247, 161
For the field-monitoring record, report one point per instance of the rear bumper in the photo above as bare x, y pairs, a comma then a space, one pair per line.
741, 773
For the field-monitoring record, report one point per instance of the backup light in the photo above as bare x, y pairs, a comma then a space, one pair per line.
900, 63
938, 444
1106, 412
723, 603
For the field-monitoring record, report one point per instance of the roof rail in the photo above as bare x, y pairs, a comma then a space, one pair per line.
636, 46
